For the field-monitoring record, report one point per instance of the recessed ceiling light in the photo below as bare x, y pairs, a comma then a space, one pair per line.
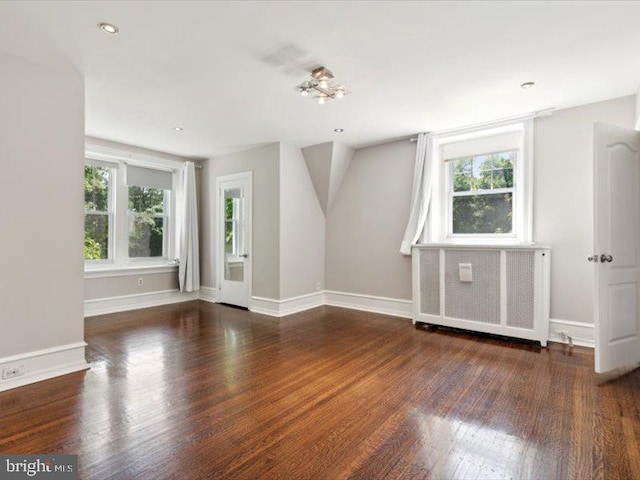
338, 130
178, 129
527, 85
108, 28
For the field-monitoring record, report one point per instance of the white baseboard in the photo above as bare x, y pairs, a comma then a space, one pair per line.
44, 364
101, 306
370, 303
287, 306
209, 294
582, 334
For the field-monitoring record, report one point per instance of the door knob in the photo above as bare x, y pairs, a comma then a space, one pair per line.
593, 258
606, 258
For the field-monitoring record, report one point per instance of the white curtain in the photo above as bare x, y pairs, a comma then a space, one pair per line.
189, 269
421, 192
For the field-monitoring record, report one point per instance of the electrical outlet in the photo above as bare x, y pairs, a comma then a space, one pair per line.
140, 281
318, 286
11, 372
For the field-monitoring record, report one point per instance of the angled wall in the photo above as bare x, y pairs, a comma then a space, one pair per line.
318, 160
302, 227
327, 164
366, 222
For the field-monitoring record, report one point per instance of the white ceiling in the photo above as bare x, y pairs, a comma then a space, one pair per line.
226, 71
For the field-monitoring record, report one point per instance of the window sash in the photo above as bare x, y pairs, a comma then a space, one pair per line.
511, 234
110, 213
450, 178
166, 228
474, 193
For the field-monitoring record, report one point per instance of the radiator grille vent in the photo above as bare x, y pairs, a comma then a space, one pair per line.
508, 293
430, 281
480, 299
520, 289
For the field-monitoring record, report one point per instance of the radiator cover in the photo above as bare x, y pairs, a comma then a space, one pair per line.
509, 293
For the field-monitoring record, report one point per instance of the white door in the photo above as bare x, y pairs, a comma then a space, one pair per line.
234, 238
616, 247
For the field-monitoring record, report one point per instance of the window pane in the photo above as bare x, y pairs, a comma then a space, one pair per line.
146, 200
145, 236
228, 208
496, 170
228, 237
462, 175
483, 213
96, 236
502, 178
96, 188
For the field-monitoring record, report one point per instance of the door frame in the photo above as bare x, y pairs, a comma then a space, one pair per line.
219, 230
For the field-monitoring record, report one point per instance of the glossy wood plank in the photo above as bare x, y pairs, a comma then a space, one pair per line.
197, 390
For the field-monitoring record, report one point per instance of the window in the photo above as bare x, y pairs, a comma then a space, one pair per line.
98, 208
129, 214
484, 186
481, 194
148, 202
232, 215
147, 222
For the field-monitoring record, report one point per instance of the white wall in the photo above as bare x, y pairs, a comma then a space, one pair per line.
302, 227
638, 109
366, 222
42, 217
264, 162
563, 199
122, 285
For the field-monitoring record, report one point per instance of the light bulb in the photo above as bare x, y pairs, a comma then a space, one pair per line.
322, 100
304, 92
323, 84
340, 93
109, 28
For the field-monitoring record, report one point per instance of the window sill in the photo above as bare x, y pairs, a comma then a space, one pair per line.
479, 244
129, 270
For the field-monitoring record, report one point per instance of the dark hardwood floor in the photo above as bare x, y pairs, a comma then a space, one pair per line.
198, 390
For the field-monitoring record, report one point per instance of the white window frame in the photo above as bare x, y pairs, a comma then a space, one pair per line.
449, 179
440, 219
109, 213
238, 247
119, 227
168, 228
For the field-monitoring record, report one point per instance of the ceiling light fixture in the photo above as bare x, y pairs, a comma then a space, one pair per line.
322, 86
338, 130
178, 129
109, 28
527, 85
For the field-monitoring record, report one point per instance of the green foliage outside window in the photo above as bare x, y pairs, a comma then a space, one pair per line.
228, 225
483, 212
146, 222
96, 205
